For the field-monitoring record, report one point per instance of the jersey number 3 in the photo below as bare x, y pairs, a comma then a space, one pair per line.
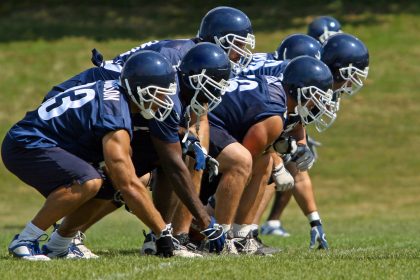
56, 106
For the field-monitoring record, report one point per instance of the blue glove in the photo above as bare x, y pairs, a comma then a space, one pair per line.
191, 147
200, 156
215, 236
318, 235
303, 157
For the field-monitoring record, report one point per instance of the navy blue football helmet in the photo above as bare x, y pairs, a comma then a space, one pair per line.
231, 29
204, 71
308, 81
348, 59
149, 79
323, 27
296, 45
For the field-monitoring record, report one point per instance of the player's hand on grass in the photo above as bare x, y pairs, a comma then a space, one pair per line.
318, 239
215, 236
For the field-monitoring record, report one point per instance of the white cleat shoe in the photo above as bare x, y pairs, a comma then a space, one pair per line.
183, 251
70, 253
27, 249
270, 230
78, 242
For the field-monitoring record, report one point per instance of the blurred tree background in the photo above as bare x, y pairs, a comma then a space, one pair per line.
130, 19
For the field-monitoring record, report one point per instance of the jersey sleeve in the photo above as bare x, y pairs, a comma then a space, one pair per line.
114, 112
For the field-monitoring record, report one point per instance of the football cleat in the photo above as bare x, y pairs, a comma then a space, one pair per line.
229, 248
267, 250
69, 253
78, 243
149, 244
27, 249
248, 245
270, 230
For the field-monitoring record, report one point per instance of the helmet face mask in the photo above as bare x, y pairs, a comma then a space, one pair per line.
154, 102
207, 91
327, 33
315, 106
233, 43
354, 78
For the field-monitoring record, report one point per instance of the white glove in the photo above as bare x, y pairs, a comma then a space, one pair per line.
282, 178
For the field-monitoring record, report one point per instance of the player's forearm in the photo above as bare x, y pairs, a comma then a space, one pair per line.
135, 194
186, 192
139, 202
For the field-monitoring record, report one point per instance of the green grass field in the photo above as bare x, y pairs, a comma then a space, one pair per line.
367, 180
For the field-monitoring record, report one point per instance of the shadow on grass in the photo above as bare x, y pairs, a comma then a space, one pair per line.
117, 252
107, 19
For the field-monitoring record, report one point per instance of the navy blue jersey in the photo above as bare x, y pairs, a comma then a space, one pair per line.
173, 50
265, 64
165, 131
76, 120
108, 72
249, 100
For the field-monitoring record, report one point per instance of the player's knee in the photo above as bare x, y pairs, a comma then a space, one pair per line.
92, 187
243, 165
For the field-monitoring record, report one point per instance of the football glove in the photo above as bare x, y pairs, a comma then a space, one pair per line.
191, 147
215, 236
303, 157
282, 178
313, 144
318, 236
285, 145
164, 244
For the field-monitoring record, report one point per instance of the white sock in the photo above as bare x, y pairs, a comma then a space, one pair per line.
241, 230
31, 232
58, 243
226, 227
254, 227
313, 216
274, 223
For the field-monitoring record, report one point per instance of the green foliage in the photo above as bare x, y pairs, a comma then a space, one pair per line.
366, 180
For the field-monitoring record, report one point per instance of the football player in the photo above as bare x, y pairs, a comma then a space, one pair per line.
348, 59
202, 76
57, 147
252, 115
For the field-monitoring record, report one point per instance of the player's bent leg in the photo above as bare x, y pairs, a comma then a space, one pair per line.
74, 224
243, 229
235, 166
63, 178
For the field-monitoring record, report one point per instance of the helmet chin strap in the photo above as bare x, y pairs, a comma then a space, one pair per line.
303, 112
147, 113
